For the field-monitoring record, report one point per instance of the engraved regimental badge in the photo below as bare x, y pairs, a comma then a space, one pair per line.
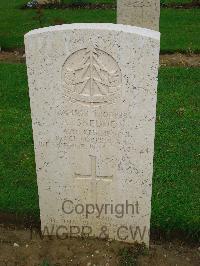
91, 76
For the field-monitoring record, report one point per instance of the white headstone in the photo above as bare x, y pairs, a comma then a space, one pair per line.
93, 104
140, 13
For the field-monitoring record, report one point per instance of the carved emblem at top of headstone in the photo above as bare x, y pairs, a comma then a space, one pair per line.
91, 76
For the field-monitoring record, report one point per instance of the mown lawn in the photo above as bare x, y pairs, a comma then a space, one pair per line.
176, 183
176, 1
179, 27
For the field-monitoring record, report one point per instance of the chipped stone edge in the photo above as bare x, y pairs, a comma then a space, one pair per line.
97, 26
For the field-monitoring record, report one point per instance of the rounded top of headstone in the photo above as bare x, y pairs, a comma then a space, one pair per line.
97, 26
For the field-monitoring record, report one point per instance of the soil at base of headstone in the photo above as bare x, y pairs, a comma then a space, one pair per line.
176, 59
25, 247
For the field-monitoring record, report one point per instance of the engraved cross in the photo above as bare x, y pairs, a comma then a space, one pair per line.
93, 176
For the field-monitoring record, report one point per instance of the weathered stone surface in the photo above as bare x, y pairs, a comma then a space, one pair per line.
93, 104
140, 13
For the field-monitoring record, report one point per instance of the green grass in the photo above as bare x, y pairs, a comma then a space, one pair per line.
18, 190
176, 184
179, 28
12, 3
175, 1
